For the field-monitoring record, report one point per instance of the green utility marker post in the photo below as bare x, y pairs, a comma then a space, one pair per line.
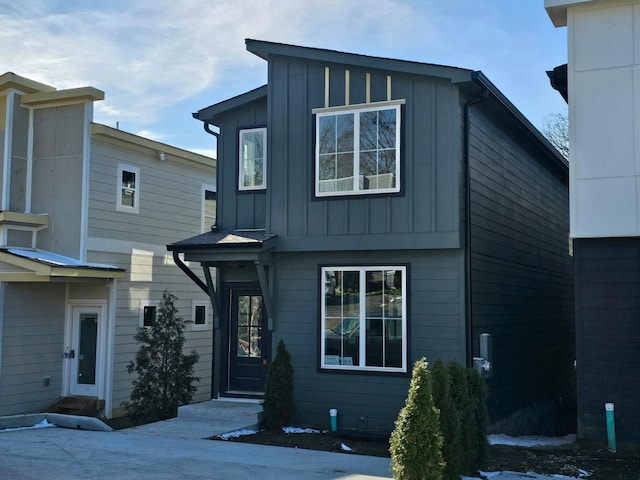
611, 426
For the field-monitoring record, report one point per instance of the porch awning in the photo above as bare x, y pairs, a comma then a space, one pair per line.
217, 248
33, 265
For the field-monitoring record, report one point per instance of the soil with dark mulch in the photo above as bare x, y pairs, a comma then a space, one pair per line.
592, 457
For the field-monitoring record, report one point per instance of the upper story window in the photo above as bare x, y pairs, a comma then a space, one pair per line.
252, 170
358, 149
209, 200
364, 318
128, 195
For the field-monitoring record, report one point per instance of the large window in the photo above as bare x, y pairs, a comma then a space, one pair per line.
364, 319
358, 149
128, 193
252, 159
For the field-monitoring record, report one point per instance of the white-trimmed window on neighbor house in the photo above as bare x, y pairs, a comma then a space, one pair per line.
199, 315
148, 313
364, 318
209, 200
358, 149
128, 194
252, 161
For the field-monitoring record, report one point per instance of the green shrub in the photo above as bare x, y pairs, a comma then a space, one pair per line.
165, 373
478, 394
462, 403
450, 422
279, 404
416, 441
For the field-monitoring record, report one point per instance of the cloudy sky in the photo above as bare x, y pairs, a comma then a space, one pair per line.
160, 60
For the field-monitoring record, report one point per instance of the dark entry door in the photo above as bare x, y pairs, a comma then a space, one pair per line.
247, 352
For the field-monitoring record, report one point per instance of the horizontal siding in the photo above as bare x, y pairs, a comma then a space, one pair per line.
32, 346
367, 401
170, 197
608, 335
521, 268
154, 275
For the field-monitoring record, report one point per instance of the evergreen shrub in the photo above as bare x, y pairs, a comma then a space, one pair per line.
416, 441
279, 403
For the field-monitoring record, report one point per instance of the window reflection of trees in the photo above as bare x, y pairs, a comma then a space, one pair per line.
249, 325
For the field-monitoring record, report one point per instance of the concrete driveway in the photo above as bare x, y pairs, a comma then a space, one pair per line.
66, 454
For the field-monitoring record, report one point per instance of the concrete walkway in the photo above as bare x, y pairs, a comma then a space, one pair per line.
174, 449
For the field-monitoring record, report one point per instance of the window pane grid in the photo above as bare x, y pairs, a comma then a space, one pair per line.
357, 151
378, 312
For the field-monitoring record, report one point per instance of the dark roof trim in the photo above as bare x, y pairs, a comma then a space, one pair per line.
208, 113
558, 80
480, 79
264, 49
238, 239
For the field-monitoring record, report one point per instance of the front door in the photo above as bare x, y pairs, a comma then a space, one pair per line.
84, 353
247, 352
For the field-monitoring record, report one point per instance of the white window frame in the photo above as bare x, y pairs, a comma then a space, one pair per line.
206, 225
135, 191
203, 326
330, 362
241, 170
358, 183
146, 303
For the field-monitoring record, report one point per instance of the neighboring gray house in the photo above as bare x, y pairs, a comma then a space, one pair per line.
85, 213
603, 87
374, 211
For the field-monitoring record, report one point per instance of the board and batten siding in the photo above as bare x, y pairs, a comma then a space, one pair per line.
521, 269
423, 215
366, 401
33, 343
240, 209
608, 335
170, 196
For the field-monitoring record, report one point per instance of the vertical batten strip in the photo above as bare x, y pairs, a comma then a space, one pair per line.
368, 89
388, 87
347, 86
326, 87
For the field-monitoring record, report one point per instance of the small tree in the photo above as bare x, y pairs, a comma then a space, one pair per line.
165, 373
279, 404
463, 404
416, 441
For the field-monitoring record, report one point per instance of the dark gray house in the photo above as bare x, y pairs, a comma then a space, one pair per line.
373, 211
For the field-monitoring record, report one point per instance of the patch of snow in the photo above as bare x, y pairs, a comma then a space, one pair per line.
299, 430
506, 475
346, 448
43, 424
583, 473
237, 433
530, 440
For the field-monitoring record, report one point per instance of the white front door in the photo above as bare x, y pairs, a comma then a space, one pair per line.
86, 351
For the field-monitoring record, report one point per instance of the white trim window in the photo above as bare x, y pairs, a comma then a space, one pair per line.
128, 194
148, 313
199, 315
209, 199
252, 159
364, 318
358, 149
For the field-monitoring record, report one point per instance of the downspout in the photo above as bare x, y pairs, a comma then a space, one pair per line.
467, 250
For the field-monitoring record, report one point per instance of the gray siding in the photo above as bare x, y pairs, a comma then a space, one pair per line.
608, 335
424, 215
521, 267
57, 173
19, 157
169, 202
435, 325
33, 342
246, 209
